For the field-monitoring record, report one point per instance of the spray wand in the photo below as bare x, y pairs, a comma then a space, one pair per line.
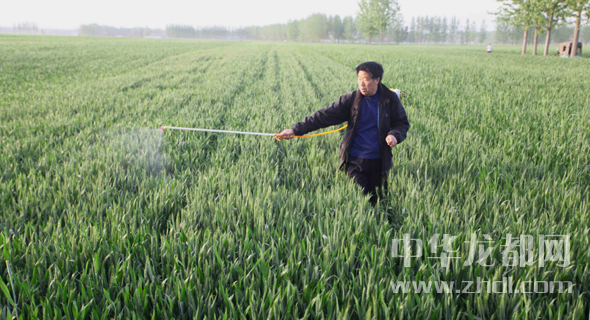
276, 135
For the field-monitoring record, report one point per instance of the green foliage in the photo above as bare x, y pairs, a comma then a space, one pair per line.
26, 27
337, 28
507, 34
180, 31
350, 29
438, 29
398, 32
94, 30
469, 32
315, 28
292, 30
106, 216
483, 32
544, 15
518, 13
366, 19
386, 14
550, 12
585, 34
375, 16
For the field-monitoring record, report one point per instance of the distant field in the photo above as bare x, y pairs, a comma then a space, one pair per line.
103, 215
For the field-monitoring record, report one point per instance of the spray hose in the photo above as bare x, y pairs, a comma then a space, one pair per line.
277, 136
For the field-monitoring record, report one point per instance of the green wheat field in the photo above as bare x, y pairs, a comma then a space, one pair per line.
104, 216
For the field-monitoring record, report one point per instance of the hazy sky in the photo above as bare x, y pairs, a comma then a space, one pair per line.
70, 14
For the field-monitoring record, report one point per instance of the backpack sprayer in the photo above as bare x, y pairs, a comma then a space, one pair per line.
401, 94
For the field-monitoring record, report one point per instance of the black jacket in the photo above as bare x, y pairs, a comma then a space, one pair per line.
392, 120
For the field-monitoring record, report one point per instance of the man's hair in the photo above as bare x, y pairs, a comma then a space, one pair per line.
371, 67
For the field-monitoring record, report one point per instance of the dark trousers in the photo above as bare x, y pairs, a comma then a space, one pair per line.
367, 173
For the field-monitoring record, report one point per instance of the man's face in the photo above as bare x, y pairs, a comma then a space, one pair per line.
367, 85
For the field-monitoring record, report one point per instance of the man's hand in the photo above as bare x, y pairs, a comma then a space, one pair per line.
287, 134
391, 140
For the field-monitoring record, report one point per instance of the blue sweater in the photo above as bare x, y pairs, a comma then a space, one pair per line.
365, 144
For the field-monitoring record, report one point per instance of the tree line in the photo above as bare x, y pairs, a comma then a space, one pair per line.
421, 30
107, 31
319, 27
507, 34
382, 20
543, 15
25, 27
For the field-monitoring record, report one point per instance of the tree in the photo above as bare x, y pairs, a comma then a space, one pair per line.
349, 28
386, 13
466, 32
412, 35
552, 11
432, 25
292, 30
483, 32
438, 29
473, 32
453, 29
366, 19
315, 27
578, 7
518, 13
537, 17
330, 27
405, 34
397, 30
502, 33
420, 27
180, 31
538, 28
337, 28
585, 34
375, 16
444, 30
26, 27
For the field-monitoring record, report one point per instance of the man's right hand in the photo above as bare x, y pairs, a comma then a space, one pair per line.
287, 134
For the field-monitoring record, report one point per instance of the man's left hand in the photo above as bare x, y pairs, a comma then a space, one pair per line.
391, 140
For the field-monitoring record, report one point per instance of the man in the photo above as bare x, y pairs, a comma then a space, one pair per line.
377, 122
490, 48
